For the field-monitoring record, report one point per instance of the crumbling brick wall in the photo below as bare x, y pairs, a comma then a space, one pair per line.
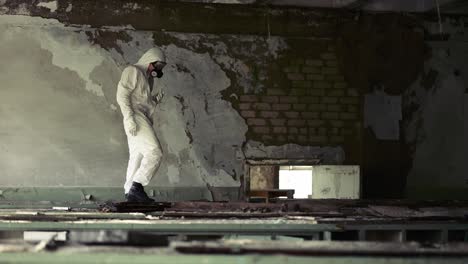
315, 107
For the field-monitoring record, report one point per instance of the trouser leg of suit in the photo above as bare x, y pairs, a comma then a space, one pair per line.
145, 154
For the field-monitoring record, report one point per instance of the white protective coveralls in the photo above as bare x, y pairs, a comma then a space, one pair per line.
137, 106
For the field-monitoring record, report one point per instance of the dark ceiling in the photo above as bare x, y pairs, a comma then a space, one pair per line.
446, 6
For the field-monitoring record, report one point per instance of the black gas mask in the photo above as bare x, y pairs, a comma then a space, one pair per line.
157, 69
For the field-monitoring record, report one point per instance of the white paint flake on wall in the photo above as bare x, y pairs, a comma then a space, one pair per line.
52, 6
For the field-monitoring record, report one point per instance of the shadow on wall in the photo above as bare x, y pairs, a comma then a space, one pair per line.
386, 50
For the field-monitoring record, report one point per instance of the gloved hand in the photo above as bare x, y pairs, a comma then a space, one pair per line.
132, 127
158, 97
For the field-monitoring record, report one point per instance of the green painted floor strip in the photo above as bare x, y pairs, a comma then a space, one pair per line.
173, 227
116, 258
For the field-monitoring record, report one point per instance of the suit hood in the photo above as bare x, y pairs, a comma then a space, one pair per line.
152, 55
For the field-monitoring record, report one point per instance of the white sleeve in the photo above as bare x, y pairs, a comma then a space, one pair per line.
125, 88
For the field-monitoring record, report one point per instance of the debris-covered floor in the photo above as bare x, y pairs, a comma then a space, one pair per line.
328, 231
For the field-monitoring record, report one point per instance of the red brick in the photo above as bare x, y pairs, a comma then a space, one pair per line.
322, 85
244, 106
321, 131
316, 107
337, 123
261, 106
337, 139
353, 92
269, 114
309, 99
281, 138
276, 91
298, 91
330, 70
318, 139
302, 138
350, 100
288, 99
340, 85
256, 122
348, 116
315, 77
328, 56
291, 115
293, 130
301, 84
291, 69
334, 108
296, 122
314, 62
261, 130
352, 109
330, 115
304, 131
310, 115
329, 100
291, 138
278, 122
296, 76
297, 61
316, 92
336, 77
311, 70
281, 107
248, 98
269, 99
267, 138
280, 130
315, 123
300, 107
247, 114
346, 131
336, 92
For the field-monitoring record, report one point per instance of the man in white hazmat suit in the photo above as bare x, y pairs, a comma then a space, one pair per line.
137, 106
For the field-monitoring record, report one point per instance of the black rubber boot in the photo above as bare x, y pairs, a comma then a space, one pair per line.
137, 194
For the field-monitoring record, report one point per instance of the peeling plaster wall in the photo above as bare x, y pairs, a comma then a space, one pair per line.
436, 127
58, 126
61, 126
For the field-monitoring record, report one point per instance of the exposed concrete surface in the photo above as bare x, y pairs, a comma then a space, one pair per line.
57, 126
437, 126
65, 131
327, 155
62, 127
